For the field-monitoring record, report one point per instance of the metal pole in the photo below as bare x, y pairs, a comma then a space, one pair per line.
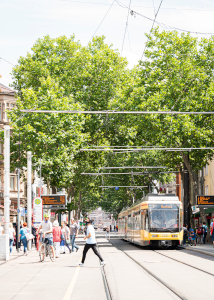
186, 196
18, 204
29, 202
7, 182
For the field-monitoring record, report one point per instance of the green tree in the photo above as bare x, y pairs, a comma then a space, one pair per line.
177, 75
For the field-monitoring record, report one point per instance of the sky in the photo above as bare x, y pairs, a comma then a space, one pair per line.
22, 22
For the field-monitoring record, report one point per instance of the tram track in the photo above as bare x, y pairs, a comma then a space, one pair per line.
184, 263
105, 281
178, 294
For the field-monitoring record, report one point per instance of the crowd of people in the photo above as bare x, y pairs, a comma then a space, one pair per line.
199, 234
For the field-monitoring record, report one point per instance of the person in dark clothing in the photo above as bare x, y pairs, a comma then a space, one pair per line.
33, 228
204, 232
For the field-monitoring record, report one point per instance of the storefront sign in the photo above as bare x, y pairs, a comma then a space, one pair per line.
58, 199
205, 200
37, 211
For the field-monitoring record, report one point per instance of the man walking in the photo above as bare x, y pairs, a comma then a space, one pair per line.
90, 243
73, 234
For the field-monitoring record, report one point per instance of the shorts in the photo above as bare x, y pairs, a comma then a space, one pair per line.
193, 239
49, 241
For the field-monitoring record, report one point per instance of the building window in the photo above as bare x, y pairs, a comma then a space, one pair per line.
206, 192
206, 170
0, 111
12, 181
1, 148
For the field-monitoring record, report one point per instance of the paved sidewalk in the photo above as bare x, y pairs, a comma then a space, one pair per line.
205, 249
25, 277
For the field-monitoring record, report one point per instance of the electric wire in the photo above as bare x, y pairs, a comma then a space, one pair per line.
126, 26
163, 25
156, 14
149, 7
102, 20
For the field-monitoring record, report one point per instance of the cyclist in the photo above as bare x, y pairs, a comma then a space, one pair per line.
47, 229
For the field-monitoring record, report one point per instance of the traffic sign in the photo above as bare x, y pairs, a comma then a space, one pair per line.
116, 188
18, 210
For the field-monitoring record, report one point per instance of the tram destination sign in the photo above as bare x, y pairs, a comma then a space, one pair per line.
205, 200
57, 199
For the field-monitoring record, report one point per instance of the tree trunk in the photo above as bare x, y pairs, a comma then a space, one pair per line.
194, 183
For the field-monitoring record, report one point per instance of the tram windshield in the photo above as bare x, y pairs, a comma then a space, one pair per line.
164, 217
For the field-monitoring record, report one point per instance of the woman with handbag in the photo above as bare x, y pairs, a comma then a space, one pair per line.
212, 231
65, 238
22, 237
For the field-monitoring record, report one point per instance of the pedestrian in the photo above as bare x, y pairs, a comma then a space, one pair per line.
57, 232
212, 231
1, 229
107, 232
110, 228
65, 236
73, 234
185, 234
90, 243
47, 235
204, 232
22, 237
12, 234
33, 230
199, 232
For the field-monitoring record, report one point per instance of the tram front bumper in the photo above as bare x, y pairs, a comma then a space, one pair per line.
165, 244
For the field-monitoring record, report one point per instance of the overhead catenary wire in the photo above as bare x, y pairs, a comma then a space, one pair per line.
118, 112
165, 25
156, 14
102, 20
126, 27
149, 7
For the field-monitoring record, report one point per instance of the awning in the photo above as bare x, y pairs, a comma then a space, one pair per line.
13, 210
206, 211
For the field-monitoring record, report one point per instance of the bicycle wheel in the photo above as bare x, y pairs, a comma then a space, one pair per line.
42, 252
50, 253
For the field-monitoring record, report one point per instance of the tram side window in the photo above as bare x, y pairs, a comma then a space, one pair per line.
137, 220
146, 221
129, 222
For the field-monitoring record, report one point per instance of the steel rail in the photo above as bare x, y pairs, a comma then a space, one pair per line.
105, 281
118, 112
150, 273
184, 263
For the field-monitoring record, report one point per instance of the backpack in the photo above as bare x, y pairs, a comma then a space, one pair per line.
205, 228
200, 230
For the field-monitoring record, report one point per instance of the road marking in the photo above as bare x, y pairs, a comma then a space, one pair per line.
72, 284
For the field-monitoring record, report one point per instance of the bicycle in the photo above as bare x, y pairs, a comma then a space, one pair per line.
44, 251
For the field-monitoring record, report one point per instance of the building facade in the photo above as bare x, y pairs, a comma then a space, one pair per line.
8, 101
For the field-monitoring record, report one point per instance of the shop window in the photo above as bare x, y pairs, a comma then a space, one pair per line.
12, 181
206, 170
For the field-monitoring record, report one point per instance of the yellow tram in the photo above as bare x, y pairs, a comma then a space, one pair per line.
156, 221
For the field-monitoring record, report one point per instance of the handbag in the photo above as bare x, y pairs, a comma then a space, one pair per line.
67, 241
29, 236
211, 231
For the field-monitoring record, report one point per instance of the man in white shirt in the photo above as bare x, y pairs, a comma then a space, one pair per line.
90, 243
